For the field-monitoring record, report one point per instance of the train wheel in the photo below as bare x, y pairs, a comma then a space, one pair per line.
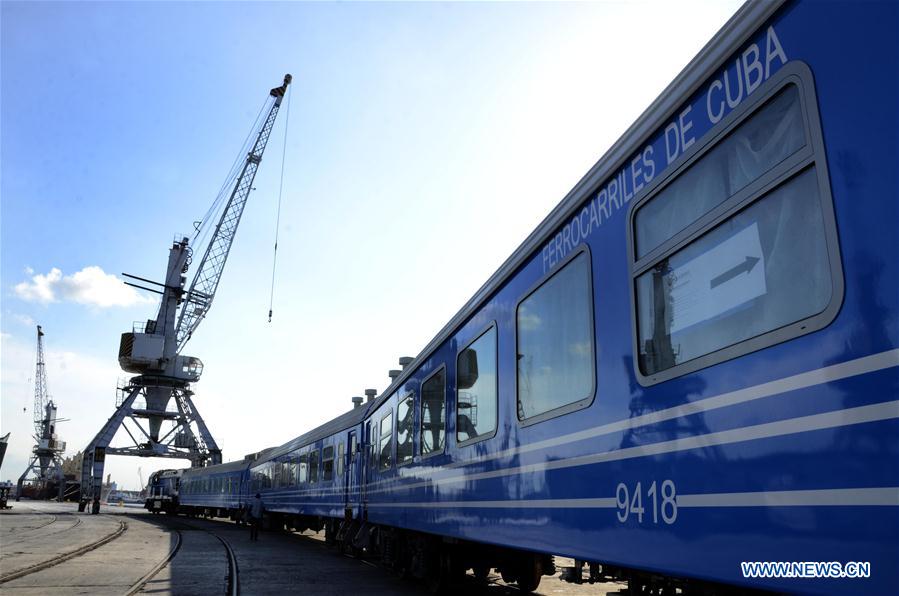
446, 574
481, 573
529, 575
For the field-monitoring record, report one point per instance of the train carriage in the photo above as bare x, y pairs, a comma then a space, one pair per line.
691, 365
216, 491
689, 369
307, 483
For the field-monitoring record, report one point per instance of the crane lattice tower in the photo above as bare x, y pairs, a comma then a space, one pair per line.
153, 350
45, 465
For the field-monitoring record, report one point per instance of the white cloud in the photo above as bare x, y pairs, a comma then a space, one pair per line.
23, 319
91, 286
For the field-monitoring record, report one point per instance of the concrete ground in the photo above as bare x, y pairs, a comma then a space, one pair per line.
191, 556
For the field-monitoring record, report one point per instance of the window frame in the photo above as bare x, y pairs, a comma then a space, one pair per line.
584, 402
325, 448
421, 417
303, 467
481, 333
314, 476
396, 430
388, 415
812, 155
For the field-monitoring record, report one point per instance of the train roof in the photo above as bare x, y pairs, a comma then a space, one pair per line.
342, 422
727, 41
230, 466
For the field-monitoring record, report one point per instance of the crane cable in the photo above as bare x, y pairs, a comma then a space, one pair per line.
278, 218
200, 228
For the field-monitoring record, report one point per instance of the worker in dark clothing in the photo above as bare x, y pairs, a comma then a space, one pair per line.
256, 510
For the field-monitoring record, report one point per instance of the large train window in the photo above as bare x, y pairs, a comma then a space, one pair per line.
294, 470
404, 430
476, 389
304, 469
384, 445
328, 463
554, 335
736, 249
313, 466
433, 413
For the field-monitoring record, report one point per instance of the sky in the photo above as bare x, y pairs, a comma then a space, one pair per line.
424, 142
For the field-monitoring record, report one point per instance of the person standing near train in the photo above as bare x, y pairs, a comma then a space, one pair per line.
256, 509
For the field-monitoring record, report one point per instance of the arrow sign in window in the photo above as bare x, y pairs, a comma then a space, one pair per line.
744, 267
722, 278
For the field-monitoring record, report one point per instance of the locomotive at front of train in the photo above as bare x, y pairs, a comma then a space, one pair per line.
163, 491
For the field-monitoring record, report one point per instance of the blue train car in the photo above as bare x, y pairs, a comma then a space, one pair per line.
216, 491
691, 368
311, 482
687, 375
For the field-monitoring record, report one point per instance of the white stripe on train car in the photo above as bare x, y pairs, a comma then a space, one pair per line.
835, 497
828, 374
834, 419
828, 420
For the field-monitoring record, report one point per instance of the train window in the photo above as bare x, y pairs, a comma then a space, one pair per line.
476, 389
433, 413
340, 457
372, 444
313, 466
328, 463
276, 475
404, 430
737, 250
304, 469
760, 142
384, 445
554, 327
290, 472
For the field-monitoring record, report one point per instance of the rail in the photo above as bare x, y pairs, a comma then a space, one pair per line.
65, 556
233, 586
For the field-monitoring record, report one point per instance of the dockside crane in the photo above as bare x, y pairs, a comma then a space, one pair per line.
153, 351
46, 455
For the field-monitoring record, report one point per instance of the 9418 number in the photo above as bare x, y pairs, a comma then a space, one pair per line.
661, 502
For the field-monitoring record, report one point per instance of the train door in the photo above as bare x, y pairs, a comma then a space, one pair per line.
366, 464
352, 469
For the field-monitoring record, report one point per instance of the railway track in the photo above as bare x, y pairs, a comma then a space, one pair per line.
123, 526
233, 585
27, 535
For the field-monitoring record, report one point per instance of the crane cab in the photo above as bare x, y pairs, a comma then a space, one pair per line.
143, 353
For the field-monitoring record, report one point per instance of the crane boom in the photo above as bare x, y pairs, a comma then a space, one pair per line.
202, 290
41, 396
